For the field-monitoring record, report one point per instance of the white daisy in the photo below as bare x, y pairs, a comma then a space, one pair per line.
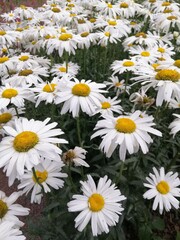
164, 188
10, 232
47, 174
119, 86
109, 106
129, 132
84, 95
123, 66
8, 37
14, 95
175, 102
26, 142
6, 64
60, 70
9, 211
175, 125
101, 205
76, 156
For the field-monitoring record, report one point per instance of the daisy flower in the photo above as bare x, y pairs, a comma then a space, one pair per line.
128, 8
109, 106
105, 37
26, 142
28, 76
175, 125
165, 81
165, 23
123, 66
164, 188
175, 102
9, 231
24, 12
60, 70
48, 174
119, 86
24, 61
86, 39
48, 91
84, 95
107, 9
9, 211
6, 64
76, 156
129, 132
8, 37
99, 204
8, 115
14, 95
141, 98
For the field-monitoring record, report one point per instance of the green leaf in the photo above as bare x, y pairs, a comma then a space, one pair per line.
158, 223
178, 236
145, 232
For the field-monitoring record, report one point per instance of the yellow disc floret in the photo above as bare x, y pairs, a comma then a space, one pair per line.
96, 202
125, 125
5, 117
161, 50
25, 141
105, 105
141, 34
55, 10
2, 32
65, 36
145, 54
9, 93
25, 72
40, 176
49, 87
24, 58
166, 4
81, 90
168, 74
62, 69
163, 187
172, 18
109, 5
128, 64
177, 63
3, 59
3, 209
84, 34
124, 5
112, 22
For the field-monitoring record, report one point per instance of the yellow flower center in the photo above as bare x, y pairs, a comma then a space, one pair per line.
84, 34
155, 66
177, 63
4, 50
168, 74
105, 105
96, 202
152, 1
145, 54
112, 22
124, 5
118, 84
24, 58
25, 72
128, 64
2, 32
3, 209
125, 125
62, 69
55, 10
3, 59
41, 176
172, 18
141, 34
165, 4
49, 87
161, 59
65, 36
81, 21
23, 7
81, 89
24, 141
163, 187
53, 5
5, 117
161, 50
133, 23
168, 10
92, 20
73, 15
107, 34
9, 93
109, 5
19, 29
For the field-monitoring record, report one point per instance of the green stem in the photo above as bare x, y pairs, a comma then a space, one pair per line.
70, 177
120, 172
78, 131
67, 60
37, 179
16, 111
